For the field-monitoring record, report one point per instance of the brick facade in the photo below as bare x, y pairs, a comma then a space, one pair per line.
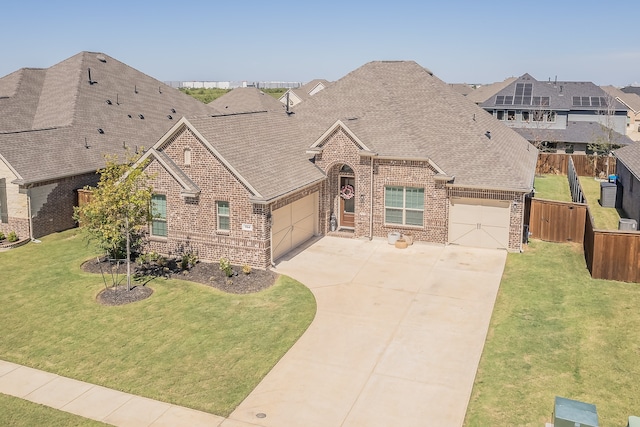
340, 149
192, 222
55, 205
51, 204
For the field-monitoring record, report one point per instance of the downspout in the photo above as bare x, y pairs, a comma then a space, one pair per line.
30, 216
371, 202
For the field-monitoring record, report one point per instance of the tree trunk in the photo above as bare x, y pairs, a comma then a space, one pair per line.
126, 221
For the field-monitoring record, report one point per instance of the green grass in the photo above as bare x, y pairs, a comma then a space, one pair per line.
552, 187
557, 332
604, 218
187, 344
208, 95
22, 413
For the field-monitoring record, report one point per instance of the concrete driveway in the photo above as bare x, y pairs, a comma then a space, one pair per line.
396, 340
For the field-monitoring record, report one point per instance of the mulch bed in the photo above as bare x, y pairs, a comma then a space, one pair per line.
203, 272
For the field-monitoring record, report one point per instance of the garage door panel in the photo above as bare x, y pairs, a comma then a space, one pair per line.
293, 225
479, 222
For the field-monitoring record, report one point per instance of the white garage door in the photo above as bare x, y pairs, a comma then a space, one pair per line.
479, 222
293, 225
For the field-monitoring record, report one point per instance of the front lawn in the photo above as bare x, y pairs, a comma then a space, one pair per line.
16, 412
188, 344
557, 332
604, 218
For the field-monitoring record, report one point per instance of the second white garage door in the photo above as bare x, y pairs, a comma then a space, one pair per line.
293, 225
479, 222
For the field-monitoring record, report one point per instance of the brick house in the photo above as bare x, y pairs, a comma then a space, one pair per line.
58, 123
387, 148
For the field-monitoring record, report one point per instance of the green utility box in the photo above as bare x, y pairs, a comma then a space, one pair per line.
571, 413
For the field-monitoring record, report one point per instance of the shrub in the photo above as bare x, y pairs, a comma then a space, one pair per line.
12, 237
189, 259
2, 235
225, 266
246, 269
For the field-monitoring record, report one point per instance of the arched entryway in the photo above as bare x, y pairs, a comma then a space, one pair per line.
343, 189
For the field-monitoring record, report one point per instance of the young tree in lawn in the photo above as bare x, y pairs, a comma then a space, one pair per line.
607, 139
119, 208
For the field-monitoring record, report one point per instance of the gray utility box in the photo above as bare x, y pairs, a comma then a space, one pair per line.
608, 194
572, 413
628, 224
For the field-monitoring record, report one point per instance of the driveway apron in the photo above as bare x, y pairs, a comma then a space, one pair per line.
396, 340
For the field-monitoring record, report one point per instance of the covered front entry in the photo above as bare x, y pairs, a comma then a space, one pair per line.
479, 223
347, 202
293, 225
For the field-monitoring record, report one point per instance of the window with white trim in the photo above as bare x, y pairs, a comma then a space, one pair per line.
159, 215
404, 206
223, 214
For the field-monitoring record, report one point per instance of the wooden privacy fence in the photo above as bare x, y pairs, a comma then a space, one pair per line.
84, 197
612, 255
557, 221
585, 164
609, 254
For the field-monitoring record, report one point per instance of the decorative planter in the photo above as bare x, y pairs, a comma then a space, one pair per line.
393, 237
401, 244
408, 238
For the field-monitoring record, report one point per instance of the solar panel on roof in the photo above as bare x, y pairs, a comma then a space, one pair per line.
499, 100
576, 101
508, 100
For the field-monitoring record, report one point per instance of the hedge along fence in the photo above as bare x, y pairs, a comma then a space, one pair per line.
585, 164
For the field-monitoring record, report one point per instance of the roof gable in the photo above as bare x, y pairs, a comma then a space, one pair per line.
399, 109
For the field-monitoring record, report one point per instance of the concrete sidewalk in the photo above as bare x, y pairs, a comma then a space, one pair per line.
95, 402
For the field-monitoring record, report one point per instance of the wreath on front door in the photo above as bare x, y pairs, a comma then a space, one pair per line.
347, 192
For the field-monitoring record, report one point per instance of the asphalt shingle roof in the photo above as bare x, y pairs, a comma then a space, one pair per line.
399, 109
630, 156
631, 100
264, 148
48, 114
560, 94
576, 132
484, 92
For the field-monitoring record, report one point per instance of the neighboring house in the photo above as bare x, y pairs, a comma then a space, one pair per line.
632, 102
482, 93
388, 148
632, 89
56, 125
560, 116
243, 100
295, 96
462, 88
628, 171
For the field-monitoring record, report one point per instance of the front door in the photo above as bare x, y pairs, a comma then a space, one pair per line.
347, 202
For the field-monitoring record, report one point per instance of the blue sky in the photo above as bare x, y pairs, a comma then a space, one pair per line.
460, 41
